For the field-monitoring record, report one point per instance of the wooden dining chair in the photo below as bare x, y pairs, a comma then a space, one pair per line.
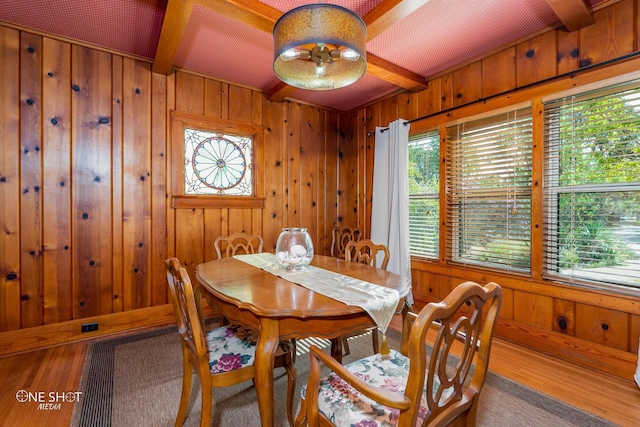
418, 385
340, 237
221, 357
238, 243
365, 252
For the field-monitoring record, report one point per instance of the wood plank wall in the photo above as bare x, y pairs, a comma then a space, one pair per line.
85, 213
603, 328
85, 174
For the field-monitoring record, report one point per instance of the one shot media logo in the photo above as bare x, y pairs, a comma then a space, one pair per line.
48, 401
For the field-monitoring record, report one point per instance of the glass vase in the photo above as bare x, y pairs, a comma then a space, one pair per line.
294, 249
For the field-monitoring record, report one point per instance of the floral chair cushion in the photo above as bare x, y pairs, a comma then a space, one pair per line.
233, 347
344, 406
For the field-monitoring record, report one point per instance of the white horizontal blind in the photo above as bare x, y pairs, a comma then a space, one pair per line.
424, 194
489, 191
592, 187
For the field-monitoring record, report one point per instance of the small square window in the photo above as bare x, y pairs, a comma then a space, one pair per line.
217, 163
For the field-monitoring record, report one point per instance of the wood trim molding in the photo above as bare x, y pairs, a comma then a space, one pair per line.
22, 340
39, 337
197, 202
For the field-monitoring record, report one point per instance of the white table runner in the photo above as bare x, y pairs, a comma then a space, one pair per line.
379, 302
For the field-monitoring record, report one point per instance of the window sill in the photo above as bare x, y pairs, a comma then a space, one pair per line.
193, 202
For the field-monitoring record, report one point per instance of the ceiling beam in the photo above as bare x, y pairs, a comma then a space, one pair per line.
175, 22
280, 91
574, 14
387, 13
392, 73
263, 17
251, 12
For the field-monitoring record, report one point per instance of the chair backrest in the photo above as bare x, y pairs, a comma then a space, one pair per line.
467, 314
340, 237
366, 252
238, 243
185, 308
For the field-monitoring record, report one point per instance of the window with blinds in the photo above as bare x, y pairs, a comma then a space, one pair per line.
489, 191
424, 194
592, 187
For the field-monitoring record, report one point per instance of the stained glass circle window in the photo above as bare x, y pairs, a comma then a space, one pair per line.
217, 163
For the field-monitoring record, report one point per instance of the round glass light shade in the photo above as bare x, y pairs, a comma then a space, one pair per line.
319, 47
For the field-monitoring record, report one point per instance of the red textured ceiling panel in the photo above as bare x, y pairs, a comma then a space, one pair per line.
365, 90
443, 33
221, 47
123, 25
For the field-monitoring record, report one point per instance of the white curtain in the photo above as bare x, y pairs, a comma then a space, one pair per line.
390, 204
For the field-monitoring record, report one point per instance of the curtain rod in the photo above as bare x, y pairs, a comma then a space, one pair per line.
571, 74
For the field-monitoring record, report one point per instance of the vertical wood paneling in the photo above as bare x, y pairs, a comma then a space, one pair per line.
365, 175
294, 136
309, 128
467, 84
117, 168
506, 309
446, 92
212, 98
499, 72
56, 182
190, 93
91, 79
31, 180
408, 106
158, 245
137, 184
564, 314
348, 172
224, 100
9, 180
568, 51
634, 333
533, 309
611, 36
430, 100
275, 164
212, 229
602, 326
170, 212
331, 178
240, 104
536, 59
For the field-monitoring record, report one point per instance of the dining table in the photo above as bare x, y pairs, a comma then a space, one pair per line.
283, 310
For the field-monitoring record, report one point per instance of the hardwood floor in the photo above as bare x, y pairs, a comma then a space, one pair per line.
58, 370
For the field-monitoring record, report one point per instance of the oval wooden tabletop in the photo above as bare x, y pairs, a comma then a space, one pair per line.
267, 295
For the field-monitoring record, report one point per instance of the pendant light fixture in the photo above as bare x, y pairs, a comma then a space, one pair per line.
319, 47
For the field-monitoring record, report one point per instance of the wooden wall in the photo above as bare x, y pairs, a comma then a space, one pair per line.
85, 184
602, 327
86, 218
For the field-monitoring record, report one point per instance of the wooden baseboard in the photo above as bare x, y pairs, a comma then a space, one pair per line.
38, 337
584, 353
565, 347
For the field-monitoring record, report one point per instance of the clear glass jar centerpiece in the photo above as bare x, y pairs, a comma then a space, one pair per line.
294, 249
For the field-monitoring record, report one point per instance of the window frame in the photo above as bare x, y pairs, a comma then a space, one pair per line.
181, 120
415, 136
453, 233
553, 190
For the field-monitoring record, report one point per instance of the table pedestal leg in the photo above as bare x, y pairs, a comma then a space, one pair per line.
336, 348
